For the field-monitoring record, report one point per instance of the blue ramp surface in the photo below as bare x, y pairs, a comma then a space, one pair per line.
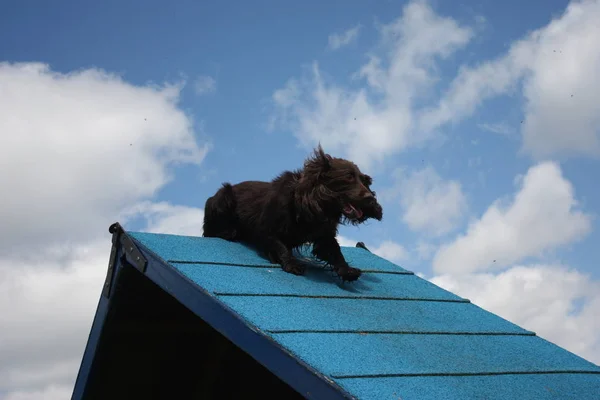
390, 335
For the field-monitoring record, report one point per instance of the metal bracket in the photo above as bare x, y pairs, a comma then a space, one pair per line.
362, 246
131, 255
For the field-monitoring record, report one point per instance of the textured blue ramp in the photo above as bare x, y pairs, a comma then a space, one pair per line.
232, 280
390, 335
206, 250
368, 261
217, 251
351, 354
491, 387
322, 314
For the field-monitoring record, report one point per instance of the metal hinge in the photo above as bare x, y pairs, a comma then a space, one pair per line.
131, 255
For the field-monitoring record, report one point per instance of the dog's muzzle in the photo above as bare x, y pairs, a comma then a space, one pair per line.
372, 209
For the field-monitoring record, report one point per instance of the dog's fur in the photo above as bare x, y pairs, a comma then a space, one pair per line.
296, 208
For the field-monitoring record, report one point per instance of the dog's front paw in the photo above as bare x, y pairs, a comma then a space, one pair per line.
349, 274
294, 267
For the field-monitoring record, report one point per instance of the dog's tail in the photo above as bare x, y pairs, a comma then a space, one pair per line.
220, 214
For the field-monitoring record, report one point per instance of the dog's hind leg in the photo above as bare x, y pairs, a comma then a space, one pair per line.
220, 219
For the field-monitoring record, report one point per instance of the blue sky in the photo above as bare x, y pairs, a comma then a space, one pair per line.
251, 50
477, 120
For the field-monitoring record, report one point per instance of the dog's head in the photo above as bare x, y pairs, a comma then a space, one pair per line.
338, 188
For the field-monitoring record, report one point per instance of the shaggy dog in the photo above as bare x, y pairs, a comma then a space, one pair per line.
296, 208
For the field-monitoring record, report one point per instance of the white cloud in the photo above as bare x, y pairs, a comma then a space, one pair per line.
44, 331
50, 392
205, 84
376, 121
553, 67
339, 40
391, 251
499, 128
474, 85
558, 303
557, 67
346, 242
81, 146
542, 216
429, 203
82, 149
387, 249
167, 218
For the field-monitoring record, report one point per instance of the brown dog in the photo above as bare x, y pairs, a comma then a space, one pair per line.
296, 208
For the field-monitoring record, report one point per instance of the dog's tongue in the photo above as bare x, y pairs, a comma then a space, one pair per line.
349, 209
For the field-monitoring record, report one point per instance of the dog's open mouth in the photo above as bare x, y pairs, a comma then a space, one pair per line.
352, 212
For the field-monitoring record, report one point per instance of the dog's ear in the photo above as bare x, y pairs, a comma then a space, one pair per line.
311, 194
320, 162
324, 158
321, 158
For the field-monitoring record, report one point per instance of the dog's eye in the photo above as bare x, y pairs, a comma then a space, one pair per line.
366, 179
